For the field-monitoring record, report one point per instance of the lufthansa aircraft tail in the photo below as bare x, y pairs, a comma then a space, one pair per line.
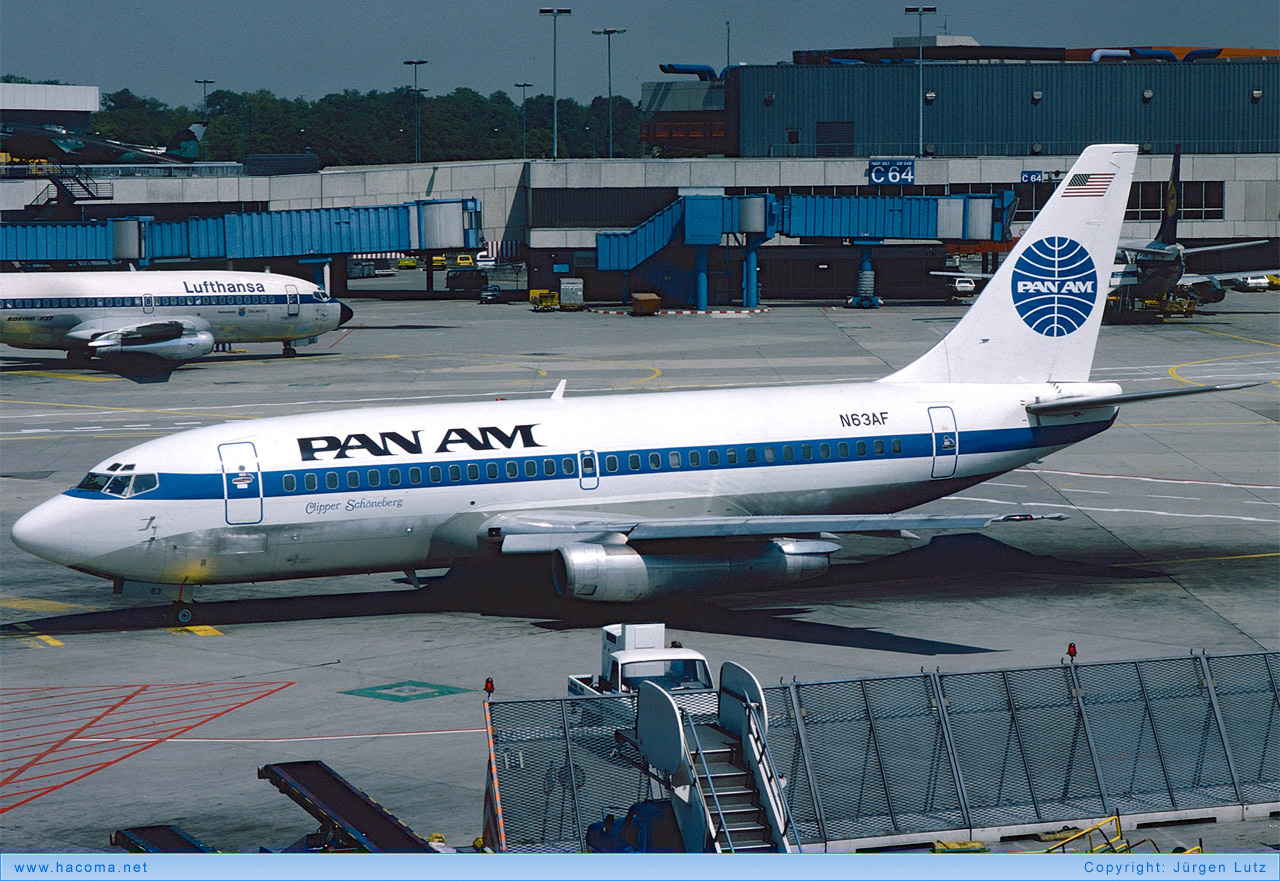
1038, 317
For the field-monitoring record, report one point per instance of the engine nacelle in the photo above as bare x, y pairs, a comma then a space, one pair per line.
618, 573
194, 344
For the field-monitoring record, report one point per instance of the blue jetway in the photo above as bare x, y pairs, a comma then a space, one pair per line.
309, 233
864, 220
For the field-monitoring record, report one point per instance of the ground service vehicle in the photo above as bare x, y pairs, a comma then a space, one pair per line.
544, 300
633, 653
859, 301
465, 260
406, 263
466, 279
649, 827
570, 295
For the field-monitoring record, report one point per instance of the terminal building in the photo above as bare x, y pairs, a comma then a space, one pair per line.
802, 180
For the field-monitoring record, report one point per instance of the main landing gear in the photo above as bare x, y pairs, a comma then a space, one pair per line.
181, 613
290, 351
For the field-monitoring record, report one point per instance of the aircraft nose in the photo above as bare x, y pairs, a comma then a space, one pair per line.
45, 531
345, 314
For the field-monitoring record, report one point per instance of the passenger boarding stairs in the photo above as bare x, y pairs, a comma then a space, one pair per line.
727, 794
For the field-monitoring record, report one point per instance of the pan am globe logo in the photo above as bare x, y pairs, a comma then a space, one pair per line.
1055, 286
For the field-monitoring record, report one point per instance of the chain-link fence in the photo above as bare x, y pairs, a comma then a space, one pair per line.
866, 758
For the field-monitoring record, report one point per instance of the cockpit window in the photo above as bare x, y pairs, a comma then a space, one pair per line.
122, 485
143, 483
322, 294
119, 486
93, 482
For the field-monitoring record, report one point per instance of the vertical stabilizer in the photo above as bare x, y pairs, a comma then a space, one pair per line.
1168, 233
1038, 317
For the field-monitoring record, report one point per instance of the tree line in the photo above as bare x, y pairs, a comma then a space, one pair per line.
374, 128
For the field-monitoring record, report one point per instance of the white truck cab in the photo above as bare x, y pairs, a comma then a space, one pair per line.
635, 653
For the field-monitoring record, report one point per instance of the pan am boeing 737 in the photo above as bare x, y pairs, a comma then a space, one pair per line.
632, 497
177, 316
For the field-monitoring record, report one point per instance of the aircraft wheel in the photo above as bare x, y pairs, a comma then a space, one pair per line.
182, 613
290, 351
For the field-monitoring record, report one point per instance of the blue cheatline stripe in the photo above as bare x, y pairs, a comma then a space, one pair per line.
28, 304
655, 460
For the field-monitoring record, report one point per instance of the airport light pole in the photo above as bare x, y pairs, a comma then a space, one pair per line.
920, 12
417, 125
205, 104
555, 12
524, 131
608, 33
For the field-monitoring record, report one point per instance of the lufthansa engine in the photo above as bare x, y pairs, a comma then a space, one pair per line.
618, 573
181, 347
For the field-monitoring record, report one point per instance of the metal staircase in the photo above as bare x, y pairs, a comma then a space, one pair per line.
741, 824
725, 790
67, 185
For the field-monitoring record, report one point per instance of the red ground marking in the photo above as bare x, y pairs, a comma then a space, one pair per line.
43, 731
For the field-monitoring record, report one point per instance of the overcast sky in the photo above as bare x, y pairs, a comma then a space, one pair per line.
310, 48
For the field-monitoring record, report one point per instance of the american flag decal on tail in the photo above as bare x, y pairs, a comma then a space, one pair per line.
1088, 185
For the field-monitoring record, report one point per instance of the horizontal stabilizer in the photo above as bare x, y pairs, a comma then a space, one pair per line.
1080, 404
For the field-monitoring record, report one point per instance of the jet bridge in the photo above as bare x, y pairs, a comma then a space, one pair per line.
350, 821
704, 221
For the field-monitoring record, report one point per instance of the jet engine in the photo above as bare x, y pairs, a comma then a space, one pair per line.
164, 340
618, 573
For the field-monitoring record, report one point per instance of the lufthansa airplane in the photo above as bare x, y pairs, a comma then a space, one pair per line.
630, 497
1151, 269
177, 316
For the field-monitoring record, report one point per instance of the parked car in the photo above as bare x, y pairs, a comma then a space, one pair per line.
860, 301
466, 279
490, 293
407, 263
964, 285
1251, 283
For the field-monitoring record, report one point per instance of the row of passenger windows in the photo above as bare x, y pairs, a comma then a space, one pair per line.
103, 302
568, 467
436, 474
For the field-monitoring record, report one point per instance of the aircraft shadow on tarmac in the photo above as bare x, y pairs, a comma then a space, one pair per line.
142, 369
504, 590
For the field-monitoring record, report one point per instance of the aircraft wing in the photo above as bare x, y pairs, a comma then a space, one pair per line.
1189, 278
530, 533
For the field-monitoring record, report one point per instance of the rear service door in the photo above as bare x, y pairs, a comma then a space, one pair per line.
241, 483
946, 441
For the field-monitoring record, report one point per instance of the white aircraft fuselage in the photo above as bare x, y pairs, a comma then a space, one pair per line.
176, 315
400, 488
